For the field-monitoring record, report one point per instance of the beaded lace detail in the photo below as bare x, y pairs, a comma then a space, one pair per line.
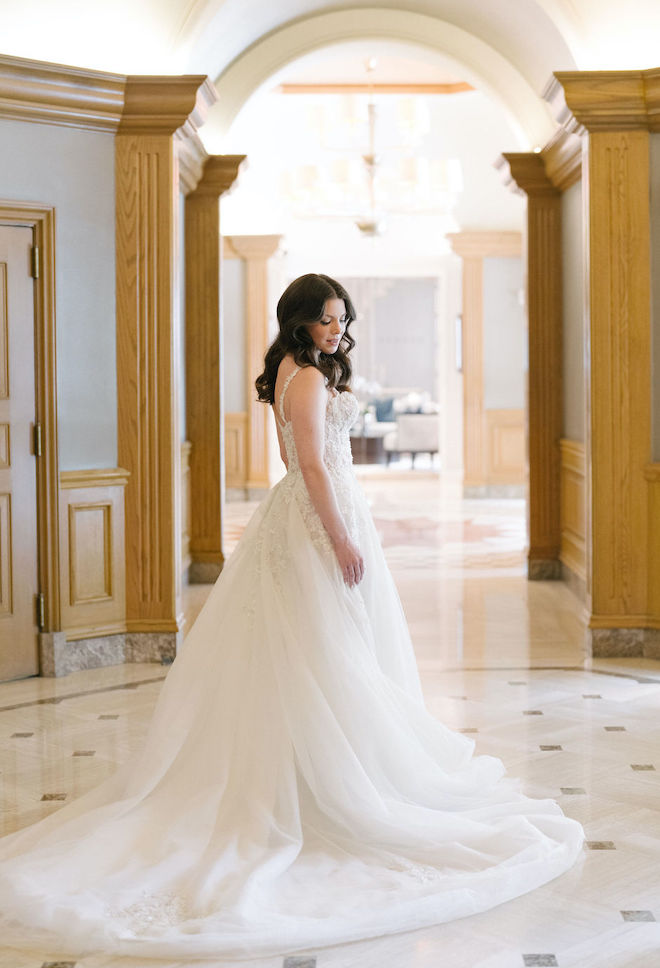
341, 412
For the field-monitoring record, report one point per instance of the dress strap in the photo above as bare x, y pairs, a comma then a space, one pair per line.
284, 389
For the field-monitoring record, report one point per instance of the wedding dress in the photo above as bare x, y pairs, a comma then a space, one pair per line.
293, 792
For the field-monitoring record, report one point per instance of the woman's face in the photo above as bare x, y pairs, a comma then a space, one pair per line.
327, 333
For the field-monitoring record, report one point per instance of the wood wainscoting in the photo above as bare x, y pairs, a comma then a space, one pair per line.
505, 435
93, 592
573, 507
236, 430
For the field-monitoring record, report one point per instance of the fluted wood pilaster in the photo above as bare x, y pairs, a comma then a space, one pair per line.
147, 227
526, 172
614, 112
204, 408
256, 250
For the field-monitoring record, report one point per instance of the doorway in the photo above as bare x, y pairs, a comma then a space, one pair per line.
19, 446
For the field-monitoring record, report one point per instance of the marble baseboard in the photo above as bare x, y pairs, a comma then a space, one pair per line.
495, 491
576, 584
607, 643
203, 572
152, 646
543, 569
59, 658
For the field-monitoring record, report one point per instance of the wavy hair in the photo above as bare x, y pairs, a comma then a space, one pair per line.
301, 303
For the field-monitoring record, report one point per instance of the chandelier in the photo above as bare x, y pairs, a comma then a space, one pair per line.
361, 174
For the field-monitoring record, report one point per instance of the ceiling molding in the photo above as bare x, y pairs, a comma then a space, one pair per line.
33, 90
562, 157
524, 172
160, 104
456, 87
602, 100
220, 174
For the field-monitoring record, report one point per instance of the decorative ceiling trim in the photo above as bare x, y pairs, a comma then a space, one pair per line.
220, 174
33, 90
562, 156
584, 101
161, 104
525, 174
456, 87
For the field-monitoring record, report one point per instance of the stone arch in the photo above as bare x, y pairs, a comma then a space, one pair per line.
477, 61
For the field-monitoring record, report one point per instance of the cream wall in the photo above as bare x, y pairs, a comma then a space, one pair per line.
573, 332
74, 171
655, 287
505, 346
233, 335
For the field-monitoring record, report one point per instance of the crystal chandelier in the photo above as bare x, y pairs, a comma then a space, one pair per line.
372, 179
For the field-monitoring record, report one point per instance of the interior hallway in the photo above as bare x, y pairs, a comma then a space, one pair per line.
501, 658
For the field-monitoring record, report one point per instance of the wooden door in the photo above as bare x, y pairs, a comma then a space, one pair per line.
18, 477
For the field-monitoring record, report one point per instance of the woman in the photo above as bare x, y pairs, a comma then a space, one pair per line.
293, 791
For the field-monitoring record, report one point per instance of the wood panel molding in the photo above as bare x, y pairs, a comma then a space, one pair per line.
41, 219
573, 506
32, 90
525, 173
256, 250
204, 418
505, 434
236, 449
161, 104
92, 553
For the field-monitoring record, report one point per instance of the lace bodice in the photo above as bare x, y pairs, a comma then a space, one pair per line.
341, 412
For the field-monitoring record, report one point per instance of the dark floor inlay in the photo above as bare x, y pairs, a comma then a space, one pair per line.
84, 752
295, 962
458, 697
54, 700
59, 964
54, 796
21, 735
591, 695
637, 915
551, 747
600, 845
468, 729
615, 729
540, 961
641, 766
532, 712
107, 716
573, 791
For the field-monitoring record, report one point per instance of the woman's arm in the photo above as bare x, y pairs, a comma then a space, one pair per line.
307, 398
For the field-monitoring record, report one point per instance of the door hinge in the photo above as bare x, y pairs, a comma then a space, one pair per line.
41, 611
35, 261
37, 440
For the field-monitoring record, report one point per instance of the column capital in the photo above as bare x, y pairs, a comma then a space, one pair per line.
478, 245
252, 247
159, 105
219, 174
524, 173
605, 100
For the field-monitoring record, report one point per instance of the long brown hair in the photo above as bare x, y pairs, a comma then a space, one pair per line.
301, 303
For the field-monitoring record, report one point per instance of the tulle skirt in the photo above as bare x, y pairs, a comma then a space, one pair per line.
292, 792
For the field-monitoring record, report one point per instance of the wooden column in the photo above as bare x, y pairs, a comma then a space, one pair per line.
611, 110
473, 247
204, 408
160, 116
256, 250
543, 271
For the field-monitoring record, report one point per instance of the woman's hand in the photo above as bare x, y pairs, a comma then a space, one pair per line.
350, 561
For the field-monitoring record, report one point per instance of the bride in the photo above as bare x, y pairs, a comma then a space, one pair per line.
293, 791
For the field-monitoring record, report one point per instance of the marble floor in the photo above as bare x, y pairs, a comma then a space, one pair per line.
501, 659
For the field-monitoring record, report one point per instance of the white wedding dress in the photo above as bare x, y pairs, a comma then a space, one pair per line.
293, 791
